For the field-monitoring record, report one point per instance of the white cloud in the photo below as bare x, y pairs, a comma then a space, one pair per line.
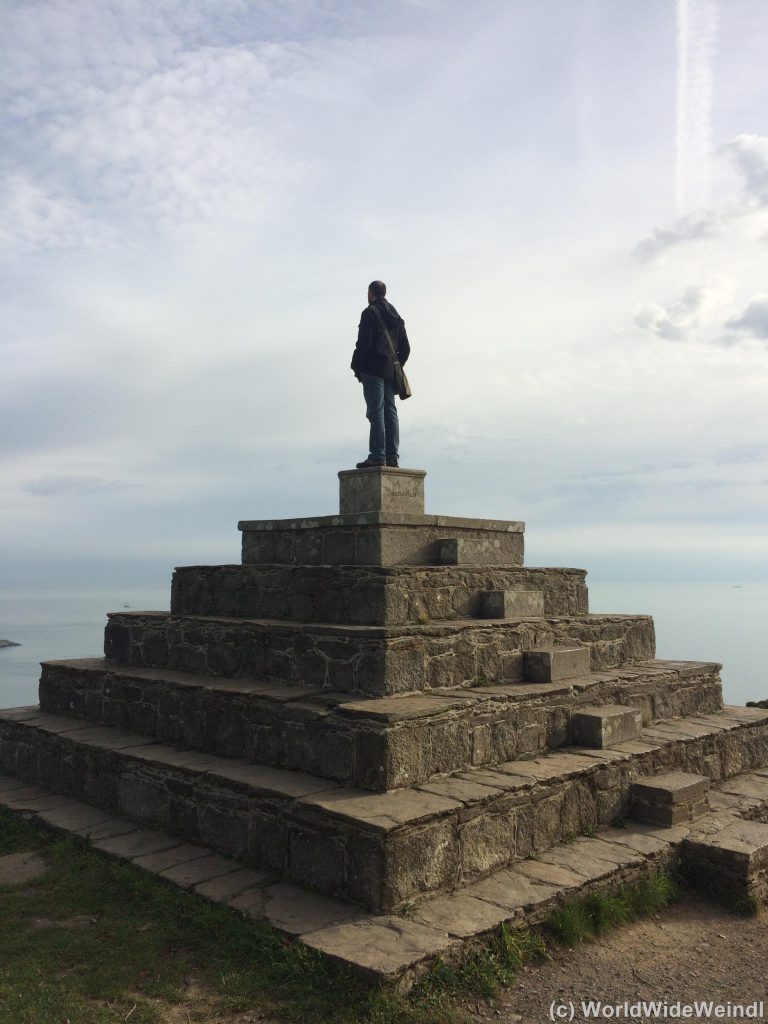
698, 306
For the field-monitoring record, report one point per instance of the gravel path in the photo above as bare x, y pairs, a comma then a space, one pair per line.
692, 951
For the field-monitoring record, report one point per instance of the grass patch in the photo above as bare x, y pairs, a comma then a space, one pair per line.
99, 941
599, 912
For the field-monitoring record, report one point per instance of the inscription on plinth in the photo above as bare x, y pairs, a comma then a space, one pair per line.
381, 489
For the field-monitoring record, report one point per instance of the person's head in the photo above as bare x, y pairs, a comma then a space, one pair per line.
376, 290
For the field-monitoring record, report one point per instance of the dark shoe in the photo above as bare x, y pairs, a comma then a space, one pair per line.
369, 465
393, 462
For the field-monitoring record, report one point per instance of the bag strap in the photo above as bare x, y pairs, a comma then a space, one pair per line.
392, 350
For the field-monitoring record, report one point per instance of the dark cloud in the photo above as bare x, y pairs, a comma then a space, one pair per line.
749, 155
55, 486
753, 321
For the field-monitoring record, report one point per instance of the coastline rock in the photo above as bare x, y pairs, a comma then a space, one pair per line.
8, 643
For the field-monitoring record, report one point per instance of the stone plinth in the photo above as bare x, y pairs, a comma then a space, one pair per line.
511, 604
732, 861
603, 726
549, 664
381, 489
670, 798
379, 538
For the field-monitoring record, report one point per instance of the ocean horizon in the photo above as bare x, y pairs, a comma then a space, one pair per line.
694, 622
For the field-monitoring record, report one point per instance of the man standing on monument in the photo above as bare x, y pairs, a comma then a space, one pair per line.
372, 364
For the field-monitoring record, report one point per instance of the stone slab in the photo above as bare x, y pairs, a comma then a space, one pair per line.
163, 859
224, 888
136, 844
512, 890
201, 869
461, 915
381, 489
550, 664
385, 947
298, 912
607, 724
511, 604
670, 788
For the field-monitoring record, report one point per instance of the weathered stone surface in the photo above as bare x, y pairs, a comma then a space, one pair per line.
224, 887
511, 604
512, 891
461, 915
669, 798
549, 664
299, 912
136, 844
381, 490
201, 869
378, 743
371, 595
384, 947
607, 724
171, 857
369, 659
375, 538
731, 862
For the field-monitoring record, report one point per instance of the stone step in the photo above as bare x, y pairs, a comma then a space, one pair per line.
669, 798
372, 595
553, 664
375, 538
380, 850
397, 950
607, 724
373, 660
511, 604
372, 743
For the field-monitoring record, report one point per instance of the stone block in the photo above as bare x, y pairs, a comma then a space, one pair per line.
511, 604
669, 798
731, 863
488, 550
547, 665
603, 726
381, 489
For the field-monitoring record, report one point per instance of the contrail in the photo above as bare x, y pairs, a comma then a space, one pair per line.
696, 34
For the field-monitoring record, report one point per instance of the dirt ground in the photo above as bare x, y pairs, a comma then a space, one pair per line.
692, 951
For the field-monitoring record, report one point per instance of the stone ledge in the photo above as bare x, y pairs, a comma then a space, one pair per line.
396, 951
380, 850
375, 743
374, 660
370, 595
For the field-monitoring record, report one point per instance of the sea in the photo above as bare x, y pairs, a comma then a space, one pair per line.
694, 622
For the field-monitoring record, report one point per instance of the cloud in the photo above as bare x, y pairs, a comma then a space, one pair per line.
693, 310
749, 154
56, 486
743, 453
753, 320
687, 229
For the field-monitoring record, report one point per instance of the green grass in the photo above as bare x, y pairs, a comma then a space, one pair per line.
95, 940
599, 912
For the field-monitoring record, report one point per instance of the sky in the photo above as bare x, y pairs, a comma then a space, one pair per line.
568, 202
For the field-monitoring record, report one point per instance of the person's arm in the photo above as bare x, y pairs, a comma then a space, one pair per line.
364, 340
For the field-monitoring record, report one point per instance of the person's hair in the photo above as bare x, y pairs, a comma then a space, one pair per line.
378, 288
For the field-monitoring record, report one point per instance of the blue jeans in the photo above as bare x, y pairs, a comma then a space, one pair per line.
381, 411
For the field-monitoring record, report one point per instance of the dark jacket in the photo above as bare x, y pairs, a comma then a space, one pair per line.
371, 353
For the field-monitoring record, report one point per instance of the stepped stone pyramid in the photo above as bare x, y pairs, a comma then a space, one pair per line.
383, 732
